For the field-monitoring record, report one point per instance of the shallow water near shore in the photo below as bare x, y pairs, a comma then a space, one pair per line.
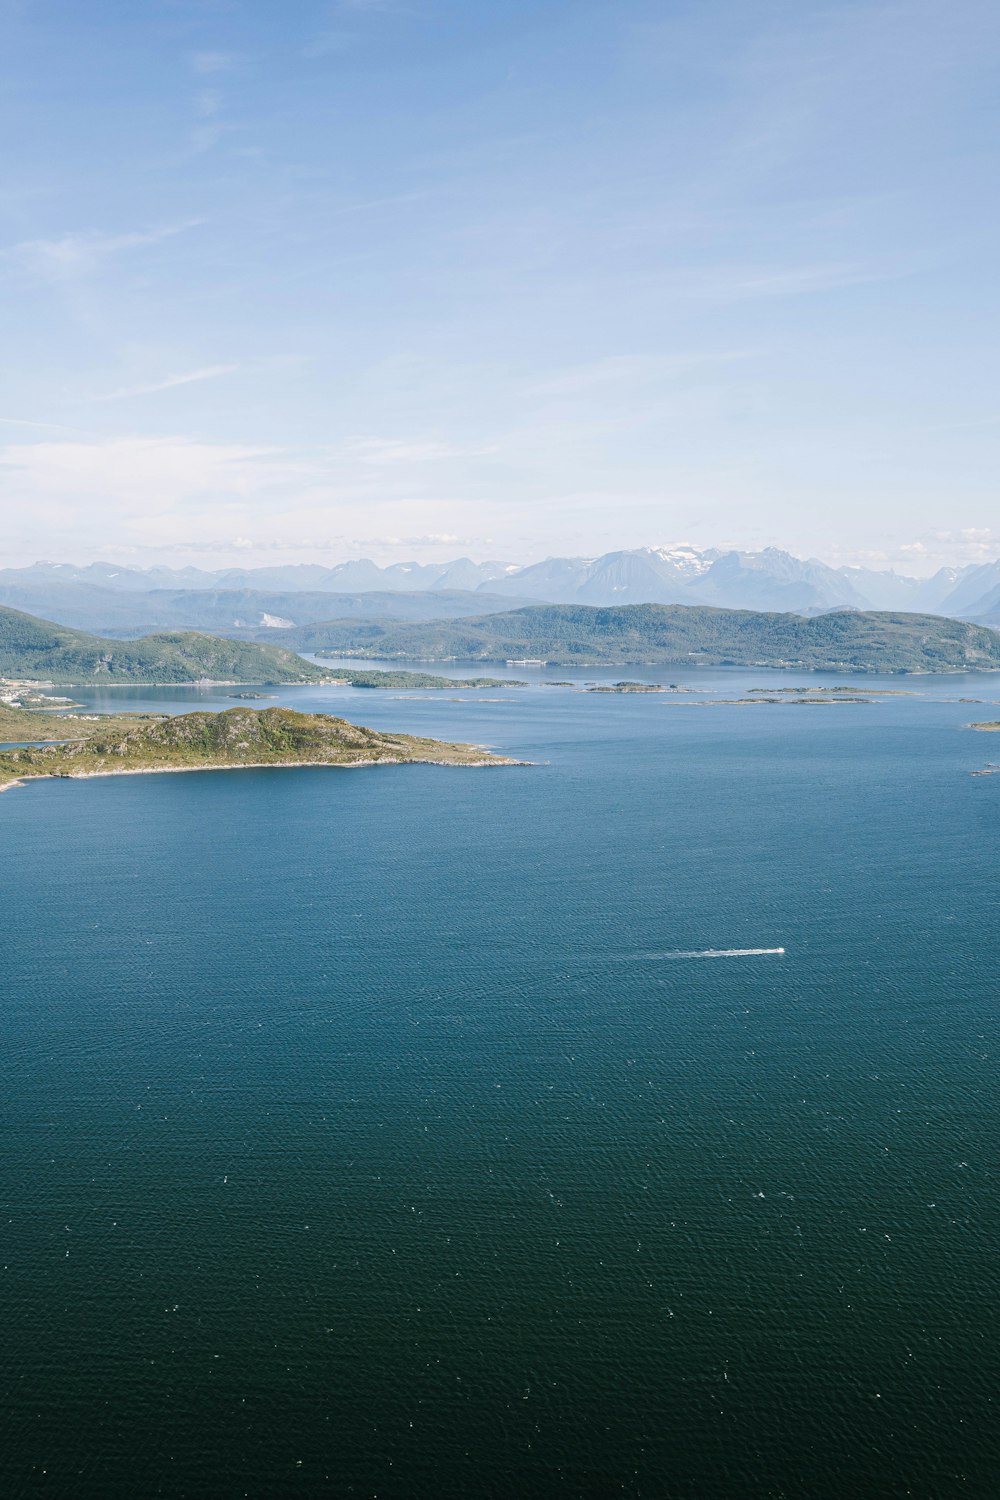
385, 1134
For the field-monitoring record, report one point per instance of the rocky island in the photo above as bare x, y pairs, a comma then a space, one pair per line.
239, 737
629, 687
422, 680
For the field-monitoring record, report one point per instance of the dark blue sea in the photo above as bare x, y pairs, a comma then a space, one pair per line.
389, 1132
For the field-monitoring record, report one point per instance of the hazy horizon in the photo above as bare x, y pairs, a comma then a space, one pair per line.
250, 559
414, 279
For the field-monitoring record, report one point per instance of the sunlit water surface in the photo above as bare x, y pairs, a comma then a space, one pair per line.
439, 1132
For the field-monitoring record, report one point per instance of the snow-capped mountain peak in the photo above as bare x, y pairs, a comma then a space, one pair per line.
684, 559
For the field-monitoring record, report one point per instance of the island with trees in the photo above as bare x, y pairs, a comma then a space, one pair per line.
654, 635
39, 651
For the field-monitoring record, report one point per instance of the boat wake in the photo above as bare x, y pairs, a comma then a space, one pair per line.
716, 953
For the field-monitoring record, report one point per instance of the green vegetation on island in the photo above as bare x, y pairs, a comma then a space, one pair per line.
216, 741
31, 726
37, 650
656, 634
991, 726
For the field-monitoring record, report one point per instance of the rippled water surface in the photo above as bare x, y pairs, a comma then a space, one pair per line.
432, 1132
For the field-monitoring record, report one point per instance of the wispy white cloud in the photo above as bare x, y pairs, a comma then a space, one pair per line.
433, 539
628, 369
204, 137
207, 63
217, 544
968, 543
974, 535
71, 256
741, 283
170, 470
190, 377
327, 43
169, 492
334, 39
959, 547
381, 451
40, 426
208, 102
374, 6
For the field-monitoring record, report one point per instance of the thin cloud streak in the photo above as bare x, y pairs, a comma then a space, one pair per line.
206, 64
619, 369
191, 377
83, 252
41, 426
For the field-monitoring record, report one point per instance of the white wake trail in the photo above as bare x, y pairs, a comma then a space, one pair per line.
716, 953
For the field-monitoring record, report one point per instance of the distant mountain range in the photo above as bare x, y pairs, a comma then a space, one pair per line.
766, 580
257, 601
360, 576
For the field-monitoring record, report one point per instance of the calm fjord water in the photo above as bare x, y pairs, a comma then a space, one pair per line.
362, 1137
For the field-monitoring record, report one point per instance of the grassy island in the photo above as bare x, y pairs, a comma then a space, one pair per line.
991, 726
223, 741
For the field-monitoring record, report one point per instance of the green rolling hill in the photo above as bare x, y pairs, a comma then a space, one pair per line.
33, 649
657, 634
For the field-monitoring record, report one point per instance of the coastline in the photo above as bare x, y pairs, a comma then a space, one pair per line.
200, 682
832, 669
264, 765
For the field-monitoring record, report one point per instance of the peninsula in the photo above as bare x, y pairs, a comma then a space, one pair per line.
38, 650
239, 737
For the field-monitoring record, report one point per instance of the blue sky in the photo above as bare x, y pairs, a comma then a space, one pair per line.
425, 278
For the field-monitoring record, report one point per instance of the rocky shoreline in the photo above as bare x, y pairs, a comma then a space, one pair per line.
264, 765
